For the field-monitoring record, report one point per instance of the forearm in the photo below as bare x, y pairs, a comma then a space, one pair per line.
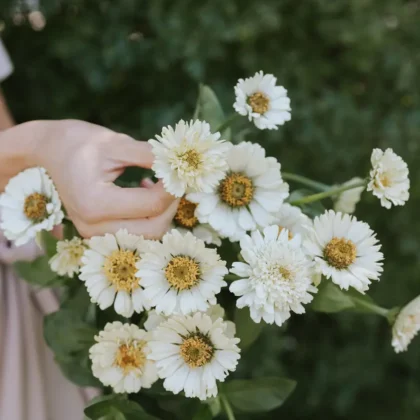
17, 148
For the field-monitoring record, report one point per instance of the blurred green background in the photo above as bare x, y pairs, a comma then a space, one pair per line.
351, 69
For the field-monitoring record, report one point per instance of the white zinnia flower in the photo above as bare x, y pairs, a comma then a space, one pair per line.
347, 200
29, 205
109, 270
192, 353
275, 277
345, 250
214, 312
68, 259
291, 218
119, 359
189, 157
406, 325
181, 275
249, 196
266, 104
389, 178
185, 220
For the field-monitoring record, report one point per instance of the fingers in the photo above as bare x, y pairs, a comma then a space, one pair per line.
131, 203
153, 228
131, 152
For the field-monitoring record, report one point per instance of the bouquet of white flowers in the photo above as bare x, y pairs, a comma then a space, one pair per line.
161, 325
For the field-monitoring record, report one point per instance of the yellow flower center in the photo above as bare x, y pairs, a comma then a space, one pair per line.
192, 158
120, 269
285, 272
290, 234
236, 190
340, 253
385, 181
35, 207
130, 356
184, 216
259, 102
196, 350
182, 272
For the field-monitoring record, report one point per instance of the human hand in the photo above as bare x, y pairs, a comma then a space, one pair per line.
84, 160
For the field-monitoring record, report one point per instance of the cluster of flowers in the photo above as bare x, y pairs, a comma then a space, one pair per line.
226, 191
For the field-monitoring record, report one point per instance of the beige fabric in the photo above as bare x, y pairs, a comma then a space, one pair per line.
31, 384
6, 67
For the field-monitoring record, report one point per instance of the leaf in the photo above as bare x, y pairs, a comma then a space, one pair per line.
258, 395
77, 369
246, 329
331, 298
209, 109
38, 272
204, 413
49, 243
114, 407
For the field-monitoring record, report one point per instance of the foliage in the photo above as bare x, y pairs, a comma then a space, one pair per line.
351, 70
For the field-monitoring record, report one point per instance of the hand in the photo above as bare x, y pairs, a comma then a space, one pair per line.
84, 160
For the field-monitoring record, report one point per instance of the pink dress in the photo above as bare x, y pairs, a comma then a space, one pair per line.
31, 384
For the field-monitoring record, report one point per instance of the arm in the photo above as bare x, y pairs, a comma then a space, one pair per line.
84, 160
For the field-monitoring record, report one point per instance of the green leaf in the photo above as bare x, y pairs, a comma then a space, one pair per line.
38, 273
331, 298
114, 407
258, 395
49, 243
246, 329
70, 230
204, 413
209, 109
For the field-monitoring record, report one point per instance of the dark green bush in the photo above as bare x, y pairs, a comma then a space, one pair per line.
351, 69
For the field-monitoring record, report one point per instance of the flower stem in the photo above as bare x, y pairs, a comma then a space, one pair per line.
328, 193
227, 122
227, 408
371, 307
305, 181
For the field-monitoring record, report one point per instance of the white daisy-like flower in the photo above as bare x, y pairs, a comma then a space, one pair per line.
266, 104
389, 178
29, 205
185, 221
214, 312
275, 275
120, 358
192, 353
347, 200
68, 259
189, 157
249, 196
291, 218
345, 250
406, 325
109, 272
181, 275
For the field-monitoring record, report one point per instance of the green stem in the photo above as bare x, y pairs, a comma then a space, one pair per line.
227, 408
371, 307
325, 194
228, 121
305, 181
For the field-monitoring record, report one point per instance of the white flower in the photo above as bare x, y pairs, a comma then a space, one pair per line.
189, 157
291, 218
119, 359
406, 325
275, 277
109, 270
347, 200
345, 250
185, 221
29, 205
214, 312
266, 104
192, 353
389, 178
68, 259
181, 275
249, 196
